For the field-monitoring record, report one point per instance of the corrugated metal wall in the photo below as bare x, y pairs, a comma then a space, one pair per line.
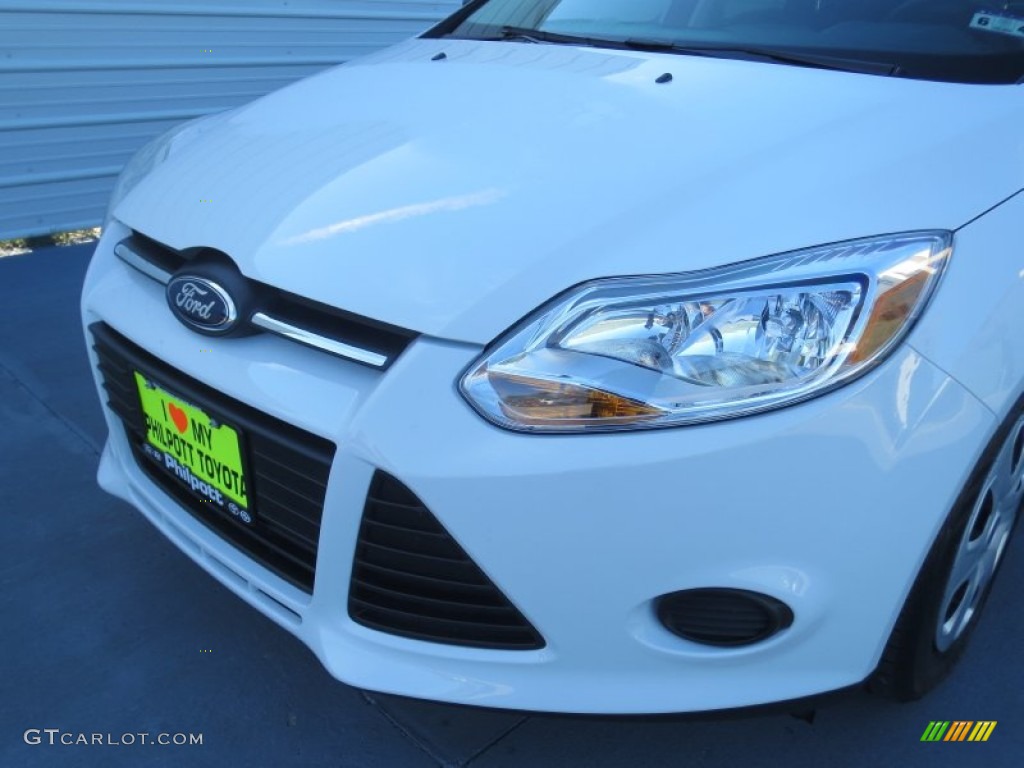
85, 83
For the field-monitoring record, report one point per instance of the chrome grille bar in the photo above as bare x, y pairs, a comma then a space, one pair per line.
132, 258
315, 340
269, 323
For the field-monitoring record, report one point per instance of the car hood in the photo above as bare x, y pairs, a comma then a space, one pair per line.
453, 196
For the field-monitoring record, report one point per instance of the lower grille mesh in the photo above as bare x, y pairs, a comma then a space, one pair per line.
411, 578
289, 466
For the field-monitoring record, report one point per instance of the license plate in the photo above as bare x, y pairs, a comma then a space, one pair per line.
200, 452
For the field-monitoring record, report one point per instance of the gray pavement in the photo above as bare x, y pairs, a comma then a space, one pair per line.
107, 628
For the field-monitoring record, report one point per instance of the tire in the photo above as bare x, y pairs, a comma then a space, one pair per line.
947, 598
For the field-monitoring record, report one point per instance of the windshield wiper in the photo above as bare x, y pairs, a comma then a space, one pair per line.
746, 53
528, 35
755, 53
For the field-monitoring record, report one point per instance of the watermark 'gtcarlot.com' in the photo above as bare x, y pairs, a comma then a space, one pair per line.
56, 737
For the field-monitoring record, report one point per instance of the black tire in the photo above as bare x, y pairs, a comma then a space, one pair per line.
912, 663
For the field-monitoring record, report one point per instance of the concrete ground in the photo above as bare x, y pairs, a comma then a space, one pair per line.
107, 628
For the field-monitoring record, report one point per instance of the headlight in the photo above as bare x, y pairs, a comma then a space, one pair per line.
641, 352
153, 154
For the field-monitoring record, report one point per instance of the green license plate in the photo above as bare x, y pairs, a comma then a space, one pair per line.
200, 452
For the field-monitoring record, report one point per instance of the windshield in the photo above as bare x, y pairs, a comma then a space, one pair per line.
970, 41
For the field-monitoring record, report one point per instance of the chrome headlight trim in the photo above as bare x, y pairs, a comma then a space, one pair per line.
644, 352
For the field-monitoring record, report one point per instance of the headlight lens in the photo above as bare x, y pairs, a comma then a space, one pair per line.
641, 352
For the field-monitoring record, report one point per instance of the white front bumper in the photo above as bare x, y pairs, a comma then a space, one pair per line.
829, 506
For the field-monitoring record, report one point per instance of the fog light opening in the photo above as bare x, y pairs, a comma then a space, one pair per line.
723, 617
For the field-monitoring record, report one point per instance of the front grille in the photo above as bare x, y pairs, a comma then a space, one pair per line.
411, 578
288, 467
331, 323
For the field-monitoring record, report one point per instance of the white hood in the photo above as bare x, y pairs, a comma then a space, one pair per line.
454, 196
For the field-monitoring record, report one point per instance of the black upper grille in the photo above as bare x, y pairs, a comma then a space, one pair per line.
288, 467
411, 578
314, 316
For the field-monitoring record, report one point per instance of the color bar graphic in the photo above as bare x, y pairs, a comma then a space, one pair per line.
935, 731
982, 730
958, 730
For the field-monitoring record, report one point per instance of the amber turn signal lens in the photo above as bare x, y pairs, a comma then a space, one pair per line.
538, 401
900, 292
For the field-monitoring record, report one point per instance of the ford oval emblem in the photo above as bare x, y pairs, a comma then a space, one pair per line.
201, 304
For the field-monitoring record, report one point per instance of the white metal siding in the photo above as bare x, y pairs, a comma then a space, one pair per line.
84, 84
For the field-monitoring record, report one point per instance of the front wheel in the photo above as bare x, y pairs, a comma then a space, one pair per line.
944, 605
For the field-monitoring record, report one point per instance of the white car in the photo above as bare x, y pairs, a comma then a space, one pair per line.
593, 356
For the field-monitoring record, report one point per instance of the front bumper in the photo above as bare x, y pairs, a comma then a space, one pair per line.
829, 506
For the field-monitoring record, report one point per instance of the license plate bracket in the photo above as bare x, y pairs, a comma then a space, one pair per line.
195, 448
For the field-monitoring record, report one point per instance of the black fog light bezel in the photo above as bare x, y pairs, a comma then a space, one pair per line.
723, 617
